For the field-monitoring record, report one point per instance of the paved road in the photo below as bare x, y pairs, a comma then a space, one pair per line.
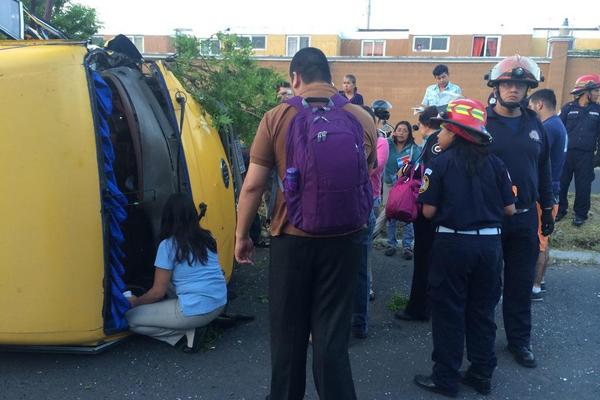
566, 342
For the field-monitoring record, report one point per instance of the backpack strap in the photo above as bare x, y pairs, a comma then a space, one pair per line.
297, 102
300, 103
339, 101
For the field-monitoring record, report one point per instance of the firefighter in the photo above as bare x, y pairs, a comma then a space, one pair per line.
468, 192
519, 139
581, 117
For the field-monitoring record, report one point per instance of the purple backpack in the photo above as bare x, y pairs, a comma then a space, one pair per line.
326, 187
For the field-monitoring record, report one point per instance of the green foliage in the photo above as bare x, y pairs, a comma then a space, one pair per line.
77, 21
590, 52
585, 237
231, 86
398, 302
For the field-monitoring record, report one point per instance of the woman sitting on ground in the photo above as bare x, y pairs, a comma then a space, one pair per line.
187, 260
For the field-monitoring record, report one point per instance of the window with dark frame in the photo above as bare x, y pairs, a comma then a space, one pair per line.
430, 43
138, 41
258, 42
210, 47
295, 43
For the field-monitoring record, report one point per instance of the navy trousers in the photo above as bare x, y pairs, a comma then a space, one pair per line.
418, 302
311, 289
521, 248
464, 287
581, 165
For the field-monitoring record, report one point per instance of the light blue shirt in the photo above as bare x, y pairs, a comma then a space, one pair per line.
433, 96
200, 287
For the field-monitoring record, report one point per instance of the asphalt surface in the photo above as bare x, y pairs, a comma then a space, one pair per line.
236, 366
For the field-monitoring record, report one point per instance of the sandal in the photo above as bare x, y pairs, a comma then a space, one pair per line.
407, 254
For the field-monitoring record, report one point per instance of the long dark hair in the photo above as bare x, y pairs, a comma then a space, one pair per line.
410, 139
180, 221
472, 156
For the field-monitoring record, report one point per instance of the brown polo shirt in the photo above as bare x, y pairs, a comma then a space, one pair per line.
268, 148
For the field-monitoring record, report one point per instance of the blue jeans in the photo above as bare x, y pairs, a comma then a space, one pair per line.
360, 314
408, 234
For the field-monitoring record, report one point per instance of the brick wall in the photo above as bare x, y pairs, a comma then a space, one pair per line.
577, 66
158, 44
403, 82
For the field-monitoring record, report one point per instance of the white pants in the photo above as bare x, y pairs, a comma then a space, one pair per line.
164, 321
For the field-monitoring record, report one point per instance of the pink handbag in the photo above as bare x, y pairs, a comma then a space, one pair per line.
402, 200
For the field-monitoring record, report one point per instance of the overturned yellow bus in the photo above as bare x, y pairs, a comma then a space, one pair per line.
92, 143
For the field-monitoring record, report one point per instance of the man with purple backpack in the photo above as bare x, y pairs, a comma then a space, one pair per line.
322, 147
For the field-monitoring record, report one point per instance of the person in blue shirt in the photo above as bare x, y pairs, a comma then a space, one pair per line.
543, 102
187, 261
520, 142
443, 91
582, 120
467, 192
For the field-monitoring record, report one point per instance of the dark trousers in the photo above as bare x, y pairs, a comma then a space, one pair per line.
311, 288
464, 286
360, 313
418, 303
520, 245
581, 165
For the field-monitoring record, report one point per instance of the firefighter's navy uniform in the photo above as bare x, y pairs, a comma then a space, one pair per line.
583, 129
466, 263
522, 145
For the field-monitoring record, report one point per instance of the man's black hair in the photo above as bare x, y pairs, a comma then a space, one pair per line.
427, 114
311, 64
546, 96
440, 69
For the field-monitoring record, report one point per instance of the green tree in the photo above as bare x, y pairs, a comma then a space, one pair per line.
230, 85
75, 20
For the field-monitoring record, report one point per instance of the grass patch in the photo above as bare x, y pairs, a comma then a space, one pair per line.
398, 302
586, 237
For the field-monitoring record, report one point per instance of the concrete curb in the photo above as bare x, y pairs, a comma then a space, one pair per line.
579, 256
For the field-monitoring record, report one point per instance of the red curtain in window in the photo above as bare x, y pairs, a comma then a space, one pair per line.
492, 47
478, 43
378, 48
367, 48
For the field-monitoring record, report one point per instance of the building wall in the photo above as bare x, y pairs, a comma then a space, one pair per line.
517, 44
462, 46
350, 47
329, 44
277, 44
577, 66
158, 44
587, 44
539, 47
393, 47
